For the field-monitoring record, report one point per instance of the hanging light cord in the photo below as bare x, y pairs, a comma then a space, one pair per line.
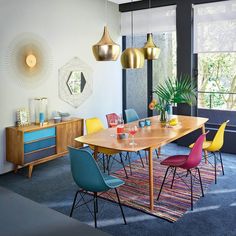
132, 25
106, 2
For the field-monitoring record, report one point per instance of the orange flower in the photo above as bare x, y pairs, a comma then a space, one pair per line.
151, 106
154, 101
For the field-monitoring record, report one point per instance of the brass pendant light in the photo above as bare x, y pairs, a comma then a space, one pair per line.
106, 49
150, 50
132, 58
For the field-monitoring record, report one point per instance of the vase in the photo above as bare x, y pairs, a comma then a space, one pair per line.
169, 109
163, 116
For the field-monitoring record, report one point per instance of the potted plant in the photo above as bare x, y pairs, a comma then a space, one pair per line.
173, 91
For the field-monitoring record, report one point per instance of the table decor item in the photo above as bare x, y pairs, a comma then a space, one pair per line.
160, 106
132, 131
22, 117
141, 123
173, 91
147, 122
41, 107
57, 119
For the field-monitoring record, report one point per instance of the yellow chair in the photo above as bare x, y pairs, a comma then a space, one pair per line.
215, 145
94, 125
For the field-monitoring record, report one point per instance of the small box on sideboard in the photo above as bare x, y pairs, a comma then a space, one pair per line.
32, 145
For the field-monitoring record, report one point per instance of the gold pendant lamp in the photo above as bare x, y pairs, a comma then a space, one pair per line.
132, 58
150, 50
106, 49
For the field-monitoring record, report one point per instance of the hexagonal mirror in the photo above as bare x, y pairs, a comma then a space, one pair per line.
76, 82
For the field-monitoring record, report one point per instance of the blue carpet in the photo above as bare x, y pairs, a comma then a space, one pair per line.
53, 186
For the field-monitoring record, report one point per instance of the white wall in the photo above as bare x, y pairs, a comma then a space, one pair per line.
70, 28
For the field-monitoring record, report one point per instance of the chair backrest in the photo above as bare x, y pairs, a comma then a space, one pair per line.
131, 115
111, 116
218, 140
85, 171
195, 155
93, 125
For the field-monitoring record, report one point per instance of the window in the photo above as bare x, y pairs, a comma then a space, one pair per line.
217, 81
214, 43
162, 23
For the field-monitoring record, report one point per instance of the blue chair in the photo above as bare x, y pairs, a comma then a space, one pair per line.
89, 178
131, 115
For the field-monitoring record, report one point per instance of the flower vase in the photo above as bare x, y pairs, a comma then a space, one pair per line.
163, 117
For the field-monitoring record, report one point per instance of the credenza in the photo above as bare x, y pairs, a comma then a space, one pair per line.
32, 145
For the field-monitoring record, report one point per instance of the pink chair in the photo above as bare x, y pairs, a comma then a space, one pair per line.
186, 162
112, 116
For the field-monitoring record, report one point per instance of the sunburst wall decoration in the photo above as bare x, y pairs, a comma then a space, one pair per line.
29, 59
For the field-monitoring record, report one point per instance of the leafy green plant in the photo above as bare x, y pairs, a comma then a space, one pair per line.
181, 90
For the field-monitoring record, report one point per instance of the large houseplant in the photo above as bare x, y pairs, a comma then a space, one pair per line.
173, 91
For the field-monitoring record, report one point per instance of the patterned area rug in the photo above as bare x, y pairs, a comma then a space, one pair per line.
173, 203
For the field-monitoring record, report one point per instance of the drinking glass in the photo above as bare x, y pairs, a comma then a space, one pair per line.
132, 131
113, 123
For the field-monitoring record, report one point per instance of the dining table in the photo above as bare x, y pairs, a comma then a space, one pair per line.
147, 138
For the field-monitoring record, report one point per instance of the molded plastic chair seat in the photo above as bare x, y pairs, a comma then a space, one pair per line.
112, 182
105, 151
215, 146
131, 115
89, 178
176, 160
186, 162
206, 144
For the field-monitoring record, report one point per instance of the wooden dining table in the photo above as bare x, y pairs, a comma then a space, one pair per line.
147, 138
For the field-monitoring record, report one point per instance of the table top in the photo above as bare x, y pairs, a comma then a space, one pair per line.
22, 217
153, 136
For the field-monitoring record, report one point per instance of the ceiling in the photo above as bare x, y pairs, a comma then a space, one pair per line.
122, 1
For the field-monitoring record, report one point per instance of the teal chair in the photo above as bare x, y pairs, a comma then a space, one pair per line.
89, 178
131, 115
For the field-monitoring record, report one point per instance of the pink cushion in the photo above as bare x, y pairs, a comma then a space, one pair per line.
176, 160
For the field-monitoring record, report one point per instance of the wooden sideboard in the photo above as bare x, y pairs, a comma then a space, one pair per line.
32, 145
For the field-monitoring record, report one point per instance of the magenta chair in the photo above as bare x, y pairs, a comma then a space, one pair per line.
186, 162
112, 116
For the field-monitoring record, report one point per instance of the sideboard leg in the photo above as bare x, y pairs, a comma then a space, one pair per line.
30, 171
16, 169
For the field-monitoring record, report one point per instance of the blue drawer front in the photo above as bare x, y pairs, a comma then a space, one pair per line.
39, 134
29, 147
40, 154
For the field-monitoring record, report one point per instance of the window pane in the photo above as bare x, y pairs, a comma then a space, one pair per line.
217, 81
165, 66
136, 82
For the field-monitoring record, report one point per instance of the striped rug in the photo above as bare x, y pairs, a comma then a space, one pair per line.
173, 203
